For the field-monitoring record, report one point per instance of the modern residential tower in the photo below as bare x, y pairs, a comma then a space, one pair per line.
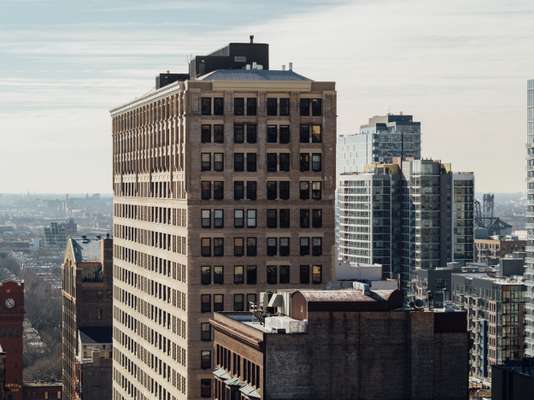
414, 215
224, 185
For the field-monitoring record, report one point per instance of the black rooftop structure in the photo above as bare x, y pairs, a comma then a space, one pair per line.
232, 56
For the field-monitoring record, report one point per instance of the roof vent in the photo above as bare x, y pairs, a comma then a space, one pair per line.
291, 66
251, 39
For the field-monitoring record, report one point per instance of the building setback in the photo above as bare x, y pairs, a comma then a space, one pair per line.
342, 344
529, 273
223, 187
495, 309
86, 319
409, 216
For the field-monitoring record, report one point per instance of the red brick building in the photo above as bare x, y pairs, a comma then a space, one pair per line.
11, 319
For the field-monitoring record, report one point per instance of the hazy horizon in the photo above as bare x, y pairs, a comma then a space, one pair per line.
460, 68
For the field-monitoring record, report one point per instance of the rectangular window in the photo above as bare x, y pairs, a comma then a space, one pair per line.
239, 274
283, 270
218, 133
304, 134
252, 247
252, 274
304, 246
316, 191
283, 159
239, 106
205, 190
317, 107
272, 134
239, 162
283, 246
252, 187
205, 303
317, 274
316, 134
272, 160
284, 106
205, 133
218, 247
316, 162
239, 247
272, 190
205, 331
205, 105
205, 247
218, 218
218, 302
251, 162
317, 246
218, 106
239, 190
304, 188
218, 274
272, 274
272, 218
205, 359
251, 300
304, 107
304, 218
218, 162
305, 274
304, 162
252, 106
284, 190
205, 388
239, 133
205, 161
317, 218
251, 218
205, 218
272, 246
284, 134
284, 218
272, 106
239, 218
239, 302
218, 190
205, 275
252, 133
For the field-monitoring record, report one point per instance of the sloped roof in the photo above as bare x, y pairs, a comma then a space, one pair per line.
252, 75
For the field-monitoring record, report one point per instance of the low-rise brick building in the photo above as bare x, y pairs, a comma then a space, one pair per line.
341, 344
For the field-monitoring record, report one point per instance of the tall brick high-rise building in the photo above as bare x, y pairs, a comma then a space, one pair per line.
224, 184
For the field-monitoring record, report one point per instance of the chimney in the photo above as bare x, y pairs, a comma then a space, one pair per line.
251, 39
283, 67
291, 66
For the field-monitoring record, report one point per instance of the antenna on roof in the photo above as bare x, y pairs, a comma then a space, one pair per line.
251, 39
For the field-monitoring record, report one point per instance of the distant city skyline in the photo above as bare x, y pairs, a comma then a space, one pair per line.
460, 68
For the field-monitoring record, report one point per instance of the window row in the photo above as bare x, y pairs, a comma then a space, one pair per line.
274, 274
276, 106
248, 218
276, 162
274, 190
248, 133
275, 246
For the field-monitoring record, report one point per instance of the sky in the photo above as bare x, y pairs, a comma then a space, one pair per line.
460, 67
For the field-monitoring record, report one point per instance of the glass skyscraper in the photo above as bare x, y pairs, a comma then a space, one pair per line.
529, 273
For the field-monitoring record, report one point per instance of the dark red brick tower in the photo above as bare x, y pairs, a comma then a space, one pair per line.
11, 319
